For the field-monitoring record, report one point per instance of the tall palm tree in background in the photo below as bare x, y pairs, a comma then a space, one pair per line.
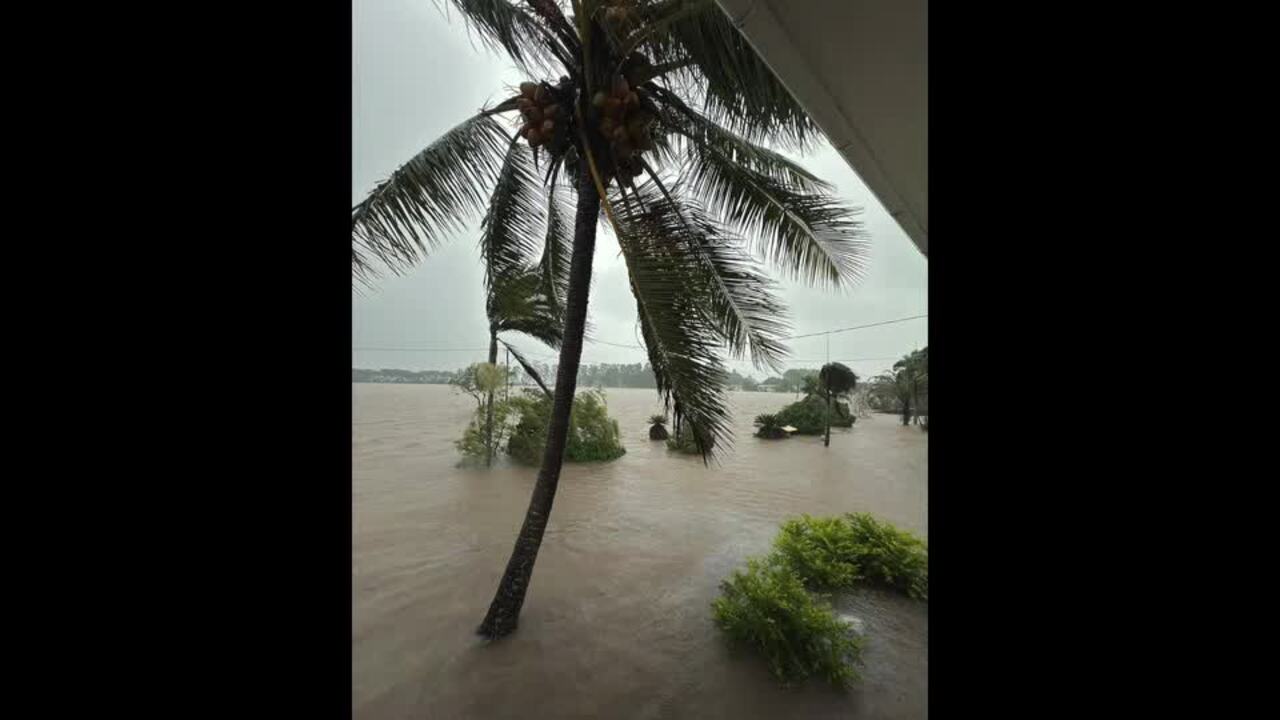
912, 372
650, 111
519, 296
835, 379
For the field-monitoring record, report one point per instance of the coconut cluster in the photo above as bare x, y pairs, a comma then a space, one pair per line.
625, 124
618, 12
546, 117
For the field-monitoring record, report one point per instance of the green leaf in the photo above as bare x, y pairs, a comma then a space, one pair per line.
433, 194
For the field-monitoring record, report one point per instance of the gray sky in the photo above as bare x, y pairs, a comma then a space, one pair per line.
415, 74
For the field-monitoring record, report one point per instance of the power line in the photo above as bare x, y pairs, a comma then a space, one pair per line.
641, 347
857, 327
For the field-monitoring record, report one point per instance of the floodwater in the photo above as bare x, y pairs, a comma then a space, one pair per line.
617, 622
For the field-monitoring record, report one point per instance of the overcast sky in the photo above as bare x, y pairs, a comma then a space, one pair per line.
415, 74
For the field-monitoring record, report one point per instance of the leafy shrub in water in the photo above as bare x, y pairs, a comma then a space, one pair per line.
657, 427
822, 551
472, 443
770, 427
768, 608
838, 552
593, 435
809, 416
890, 557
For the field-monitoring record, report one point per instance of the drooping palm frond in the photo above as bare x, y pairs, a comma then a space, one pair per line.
811, 235
505, 25
511, 235
738, 90
695, 296
701, 132
557, 248
529, 369
434, 193
737, 299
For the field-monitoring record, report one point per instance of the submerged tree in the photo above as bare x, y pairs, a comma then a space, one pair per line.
651, 113
835, 380
658, 427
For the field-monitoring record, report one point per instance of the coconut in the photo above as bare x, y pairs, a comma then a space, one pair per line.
540, 95
528, 89
620, 86
633, 99
551, 111
613, 107
548, 126
607, 126
535, 137
534, 115
599, 98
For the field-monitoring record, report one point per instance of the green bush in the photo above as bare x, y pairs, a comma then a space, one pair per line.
837, 552
809, 416
822, 551
593, 435
890, 557
472, 443
768, 608
684, 443
770, 427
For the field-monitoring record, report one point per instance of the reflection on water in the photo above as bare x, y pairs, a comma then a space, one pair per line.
617, 621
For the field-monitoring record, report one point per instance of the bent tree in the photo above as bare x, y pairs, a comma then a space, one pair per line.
650, 115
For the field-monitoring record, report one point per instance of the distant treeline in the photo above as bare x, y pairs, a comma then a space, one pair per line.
609, 375
422, 377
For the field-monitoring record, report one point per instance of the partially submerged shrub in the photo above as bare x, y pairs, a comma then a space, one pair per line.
593, 435
822, 551
809, 416
768, 608
838, 552
890, 557
472, 444
770, 427
684, 442
657, 429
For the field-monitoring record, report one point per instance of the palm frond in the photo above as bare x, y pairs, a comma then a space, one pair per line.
737, 88
503, 25
511, 235
701, 132
529, 369
810, 235
557, 249
516, 304
695, 295
736, 298
434, 193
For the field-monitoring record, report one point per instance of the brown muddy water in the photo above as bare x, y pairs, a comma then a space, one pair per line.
617, 622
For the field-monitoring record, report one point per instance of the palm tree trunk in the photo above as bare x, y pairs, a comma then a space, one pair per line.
488, 422
826, 441
906, 412
504, 611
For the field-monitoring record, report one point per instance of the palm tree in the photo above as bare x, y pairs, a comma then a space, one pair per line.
654, 120
912, 372
835, 379
520, 299
897, 384
770, 427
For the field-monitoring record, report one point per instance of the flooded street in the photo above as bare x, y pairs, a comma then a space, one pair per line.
617, 622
